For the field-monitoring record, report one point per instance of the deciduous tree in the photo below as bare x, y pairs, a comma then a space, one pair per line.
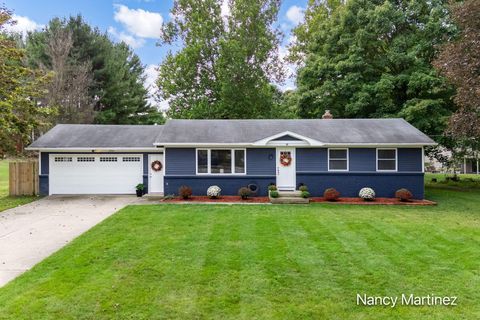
459, 61
20, 89
372, 59
227, 61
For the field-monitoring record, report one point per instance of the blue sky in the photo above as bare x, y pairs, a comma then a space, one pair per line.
133, 21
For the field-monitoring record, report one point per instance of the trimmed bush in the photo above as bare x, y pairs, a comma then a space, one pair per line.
331, 194
403, 195
214, 192
185, 192
273, 194
244, 192
303, 188
305, 194
367, 194
272, 187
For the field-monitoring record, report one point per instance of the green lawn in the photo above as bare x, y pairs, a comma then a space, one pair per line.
467, 181
7, 202
260, 262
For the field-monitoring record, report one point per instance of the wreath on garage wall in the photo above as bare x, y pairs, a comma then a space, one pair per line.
285, 158
156, 165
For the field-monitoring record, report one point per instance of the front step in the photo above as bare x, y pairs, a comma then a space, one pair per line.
289, 194
290, 197
289, 200
154, 196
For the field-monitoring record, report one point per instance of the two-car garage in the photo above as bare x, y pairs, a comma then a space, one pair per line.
95, 173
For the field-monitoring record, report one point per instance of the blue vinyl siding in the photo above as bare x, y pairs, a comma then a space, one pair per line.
180, 161
311, 159
261, 161
228, 184
349, 184
362, 159
44, 156
410, 159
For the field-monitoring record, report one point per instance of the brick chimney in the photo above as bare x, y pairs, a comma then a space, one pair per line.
327, 115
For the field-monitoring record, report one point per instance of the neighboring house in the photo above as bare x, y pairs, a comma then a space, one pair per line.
469, 164
347, 154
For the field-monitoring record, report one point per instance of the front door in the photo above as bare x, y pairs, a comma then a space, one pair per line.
286, 168
155, 173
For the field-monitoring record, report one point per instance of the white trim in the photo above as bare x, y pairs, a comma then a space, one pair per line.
347, 158
423, 159
96, 150
232, 162
39, 163
318, 145
396, 160
306, 140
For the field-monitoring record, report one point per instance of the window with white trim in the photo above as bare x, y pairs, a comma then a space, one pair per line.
85, 159
338, 159
108, 159
63, 159
131, 159
386, 159
221, 161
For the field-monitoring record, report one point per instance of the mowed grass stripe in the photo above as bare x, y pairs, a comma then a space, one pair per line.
259, 262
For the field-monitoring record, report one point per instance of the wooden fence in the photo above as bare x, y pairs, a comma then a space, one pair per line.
23, 178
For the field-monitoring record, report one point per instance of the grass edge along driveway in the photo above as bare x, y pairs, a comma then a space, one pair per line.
260, 262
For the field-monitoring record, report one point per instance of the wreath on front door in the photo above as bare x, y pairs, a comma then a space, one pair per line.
285, 159
156, 165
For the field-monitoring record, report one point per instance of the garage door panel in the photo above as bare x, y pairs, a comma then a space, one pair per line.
95, 174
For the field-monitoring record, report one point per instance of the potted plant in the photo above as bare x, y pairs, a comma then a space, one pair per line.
140, 189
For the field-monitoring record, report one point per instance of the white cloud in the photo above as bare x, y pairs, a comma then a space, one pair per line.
151, 75
226, 12
295, 14
141, 23
23, 25
128, 39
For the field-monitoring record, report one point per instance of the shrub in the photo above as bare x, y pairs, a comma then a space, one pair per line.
244, 192
273, 194
303, 188
214, 192
140, 187
305, 194
403, 194
367, 194
272, 187
185, 192
331, 194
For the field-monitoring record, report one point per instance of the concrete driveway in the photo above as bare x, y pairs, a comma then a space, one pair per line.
32, 232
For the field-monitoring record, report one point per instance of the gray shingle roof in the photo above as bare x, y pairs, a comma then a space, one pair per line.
98, 136
331, 131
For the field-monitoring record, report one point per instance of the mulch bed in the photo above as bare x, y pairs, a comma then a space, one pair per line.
236, 199
222, 199
384, 201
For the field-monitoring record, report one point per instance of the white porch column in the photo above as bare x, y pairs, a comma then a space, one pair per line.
464, 165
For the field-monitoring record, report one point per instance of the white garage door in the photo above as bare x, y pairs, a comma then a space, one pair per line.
95, 174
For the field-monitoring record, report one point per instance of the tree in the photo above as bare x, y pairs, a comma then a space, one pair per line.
96, 74
227, 62
20, 89
459, 61
69, 91
123, 96
372, 59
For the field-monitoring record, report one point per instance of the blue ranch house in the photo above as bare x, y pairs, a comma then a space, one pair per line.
346, 154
